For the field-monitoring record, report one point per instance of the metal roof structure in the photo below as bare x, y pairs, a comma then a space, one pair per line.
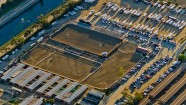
27, 100
48, 84
14, 80
39, 81
39, 101
60, 96
57, 87
76, 94
31, 77
11, 71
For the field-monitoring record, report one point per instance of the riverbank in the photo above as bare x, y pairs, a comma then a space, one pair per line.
42, 23
15, 12
7, 6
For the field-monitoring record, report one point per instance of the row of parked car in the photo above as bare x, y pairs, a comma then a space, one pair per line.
180, 24
139, 65
151, 71
134, 70
142, 29
174, 9
139, 29
145, 30
162, 77
123, 10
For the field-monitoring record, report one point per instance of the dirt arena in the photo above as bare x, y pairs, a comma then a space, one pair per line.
86, 39
115, 67
60, 63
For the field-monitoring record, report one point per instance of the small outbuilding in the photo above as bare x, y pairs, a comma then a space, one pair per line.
143, 51
89, 1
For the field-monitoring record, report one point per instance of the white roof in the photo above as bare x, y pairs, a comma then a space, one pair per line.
48, 84
57, 87
27, 100
39, 101
39, 81
60, 96
14, 80
76, 94
12, 71
31, 77
89, 1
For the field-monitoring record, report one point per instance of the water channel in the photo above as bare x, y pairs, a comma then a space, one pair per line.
25, 19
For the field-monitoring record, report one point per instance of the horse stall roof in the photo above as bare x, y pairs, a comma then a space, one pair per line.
39, 81
48, 84
76, 94
11, 71
60, 96
57, 87
14, 80
31, 77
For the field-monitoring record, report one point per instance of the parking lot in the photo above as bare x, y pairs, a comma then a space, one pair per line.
127, 16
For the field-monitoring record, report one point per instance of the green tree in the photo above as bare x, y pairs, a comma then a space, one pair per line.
138, 97
182, 57
13, 41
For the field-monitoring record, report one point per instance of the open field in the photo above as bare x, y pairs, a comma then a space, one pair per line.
86, 39
36, 55
117, 65
60, 63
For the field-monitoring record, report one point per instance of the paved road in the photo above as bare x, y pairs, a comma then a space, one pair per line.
13, 13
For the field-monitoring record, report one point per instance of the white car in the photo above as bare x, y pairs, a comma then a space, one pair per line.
13, 52
33, 44
97, 14
92, 12
32, 38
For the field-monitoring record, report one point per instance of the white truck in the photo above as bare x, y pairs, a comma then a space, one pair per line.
40, 39
5, 57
